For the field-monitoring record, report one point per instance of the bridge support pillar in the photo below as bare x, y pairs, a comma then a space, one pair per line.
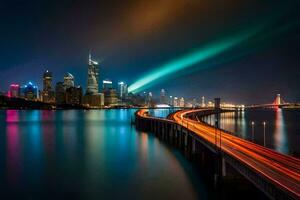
186, 140
195, 146
223, 167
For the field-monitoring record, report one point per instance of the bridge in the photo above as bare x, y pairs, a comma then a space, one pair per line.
275, 174
277, 103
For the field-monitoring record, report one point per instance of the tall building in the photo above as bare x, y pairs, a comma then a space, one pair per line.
175, 102
171, 102
122, 90
194, 102
181, 102
110, 97
74, 95
68, 81
94, 101
163, 97
93, 77
47, 81
107, 84
60, 93
92, 97
14, 90
47, 93
203, 101
149, 99
30, 91
217, 103
110, 94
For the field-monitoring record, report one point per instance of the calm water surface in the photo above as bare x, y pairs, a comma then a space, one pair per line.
88, 155
282, 129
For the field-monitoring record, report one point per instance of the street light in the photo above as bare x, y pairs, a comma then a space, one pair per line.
264, 124
252, 123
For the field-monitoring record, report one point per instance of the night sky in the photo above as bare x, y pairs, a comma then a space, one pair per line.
133, 38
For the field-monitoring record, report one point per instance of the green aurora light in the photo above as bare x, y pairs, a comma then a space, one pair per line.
200, 55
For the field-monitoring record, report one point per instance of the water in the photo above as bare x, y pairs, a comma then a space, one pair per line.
282, 128
92, 154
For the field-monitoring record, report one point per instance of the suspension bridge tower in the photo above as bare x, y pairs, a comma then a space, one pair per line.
278, 101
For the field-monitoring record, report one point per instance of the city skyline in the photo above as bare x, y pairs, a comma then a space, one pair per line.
98, 89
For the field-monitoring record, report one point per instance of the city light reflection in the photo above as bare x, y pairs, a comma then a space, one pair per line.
280, 134
12, 116
14, 162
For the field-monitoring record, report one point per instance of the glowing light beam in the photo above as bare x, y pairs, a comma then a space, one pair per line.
190, 59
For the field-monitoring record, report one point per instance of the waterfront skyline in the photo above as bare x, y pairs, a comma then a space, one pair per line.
133, 39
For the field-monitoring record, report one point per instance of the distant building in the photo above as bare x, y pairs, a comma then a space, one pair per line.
60, 93
194, 102
217, 103
203, 101
14, 90
175, 102
74, 95
171, 101
122, 90
68, 81
181, 102
94, 101
149, 99
107, 84
110, 94
47, 92
210, 104
136, 99
93, 77
110, 97
30, 91
47, 81
163, 99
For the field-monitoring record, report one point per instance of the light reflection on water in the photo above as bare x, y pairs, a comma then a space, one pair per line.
280, 135
282, 128
88, 155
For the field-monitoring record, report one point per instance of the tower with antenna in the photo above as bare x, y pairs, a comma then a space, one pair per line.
93, 77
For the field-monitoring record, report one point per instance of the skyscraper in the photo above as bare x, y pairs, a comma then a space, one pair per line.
60, 93
74, 95
149, 100
122, 90
30, 91
47, 81
14, 90
163, 96
68, 81
92, 97
93, 77
107, 84
47, 93
110, 97
175, 102
217, 103
181, 102
171, 102
203, 101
